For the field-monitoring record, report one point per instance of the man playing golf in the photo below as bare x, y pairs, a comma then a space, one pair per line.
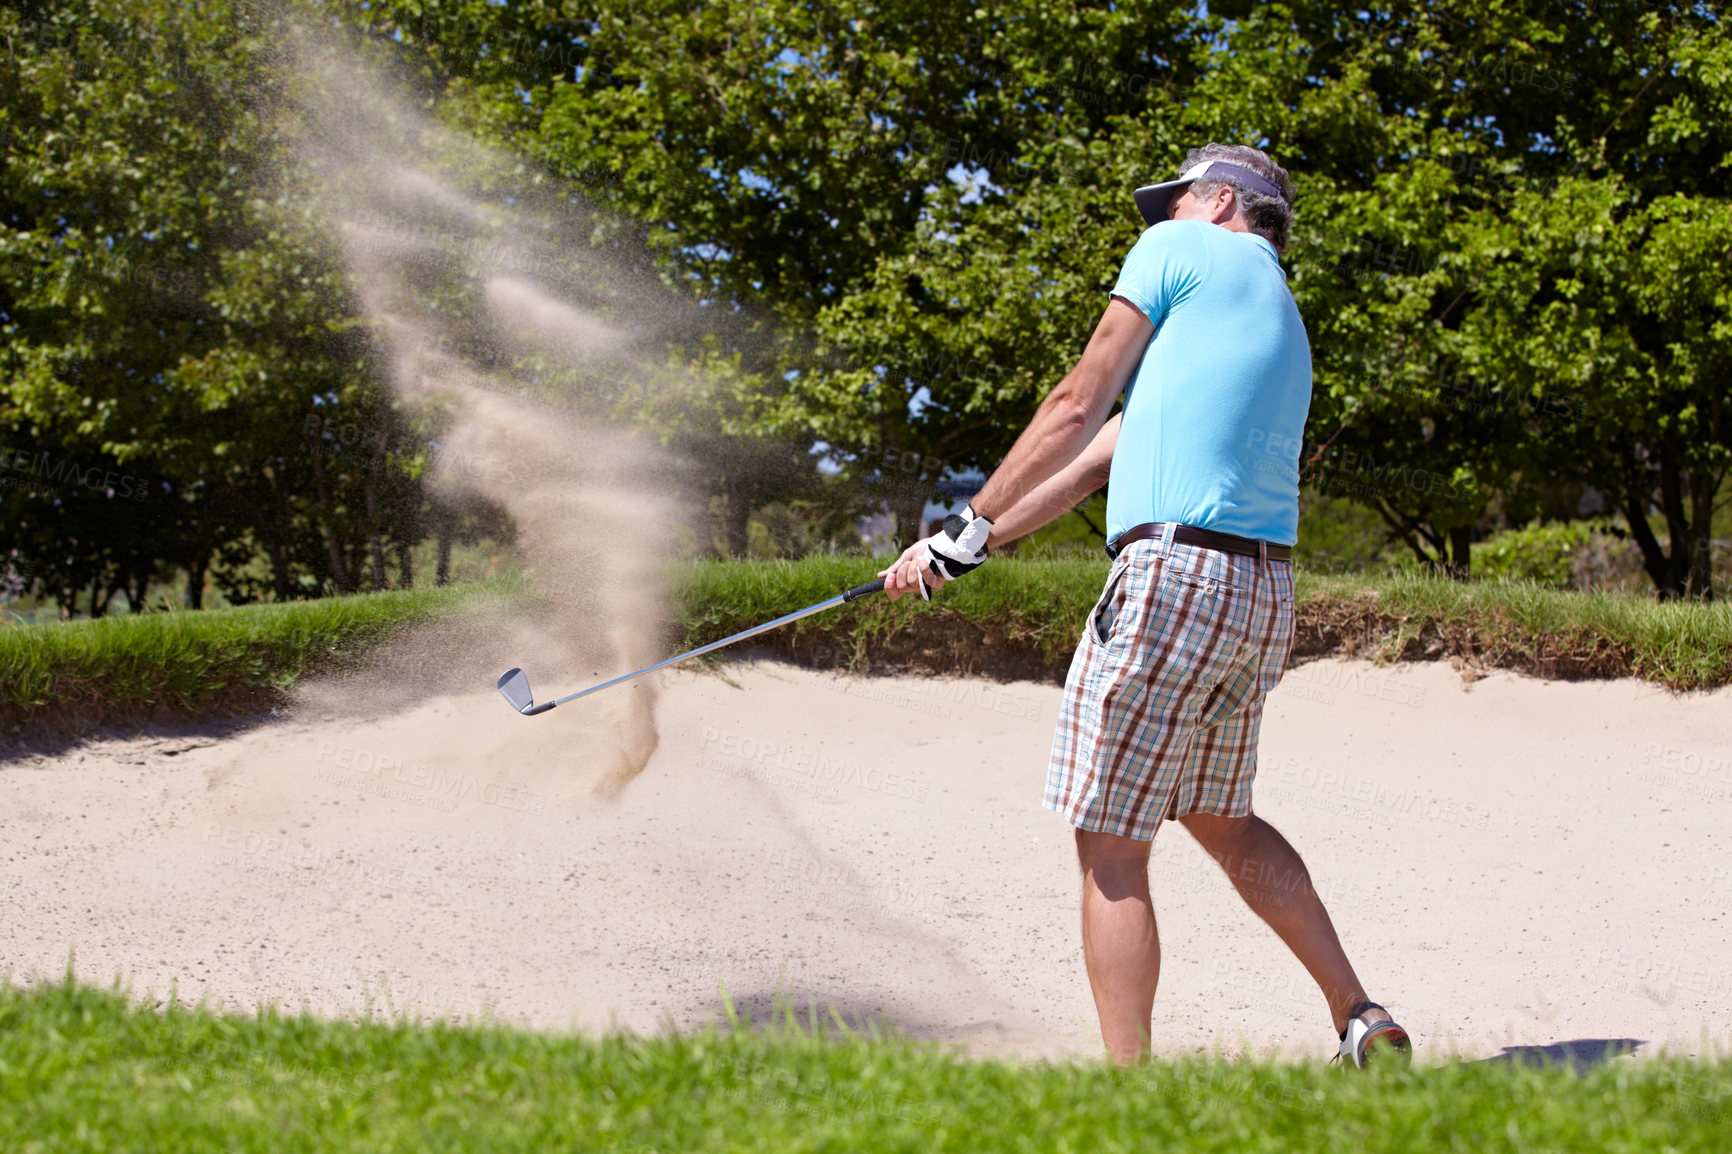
1162, 705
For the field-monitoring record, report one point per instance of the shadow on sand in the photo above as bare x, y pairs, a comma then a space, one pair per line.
1580, 1054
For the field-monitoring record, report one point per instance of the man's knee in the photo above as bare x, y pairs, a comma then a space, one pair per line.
1222, 838
1102, 853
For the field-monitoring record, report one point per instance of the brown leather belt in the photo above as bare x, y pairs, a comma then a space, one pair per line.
1206, 538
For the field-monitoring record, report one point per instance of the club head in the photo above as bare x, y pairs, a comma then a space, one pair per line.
514, 686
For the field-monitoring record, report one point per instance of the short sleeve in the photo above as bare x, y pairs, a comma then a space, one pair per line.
1165, 266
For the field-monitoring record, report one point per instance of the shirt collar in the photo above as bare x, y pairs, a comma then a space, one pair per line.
1268, 248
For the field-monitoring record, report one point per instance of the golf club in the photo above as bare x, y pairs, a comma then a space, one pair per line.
514, 684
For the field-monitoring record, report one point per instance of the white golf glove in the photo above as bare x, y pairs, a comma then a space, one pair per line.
961, 548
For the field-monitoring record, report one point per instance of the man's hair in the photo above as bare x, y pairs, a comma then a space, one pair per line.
1266, 216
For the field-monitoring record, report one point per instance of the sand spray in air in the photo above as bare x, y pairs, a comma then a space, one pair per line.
502, 315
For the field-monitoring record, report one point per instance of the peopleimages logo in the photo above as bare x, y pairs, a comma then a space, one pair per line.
43, 466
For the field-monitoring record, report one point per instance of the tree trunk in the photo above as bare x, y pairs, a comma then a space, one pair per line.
277, 545
405, 566
1460, 546
376, 552
370, 492
1637, 492
703, 528
102, 597
442, 567
908, 506
339, 571
1672, 483
195, 583
1416, 535
279, 555
1700, 583
1654, 559
737, 521
356, 559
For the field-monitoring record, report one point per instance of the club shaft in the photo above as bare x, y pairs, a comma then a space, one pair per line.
714, 645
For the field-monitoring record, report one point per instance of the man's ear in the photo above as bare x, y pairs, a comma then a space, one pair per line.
1226, 204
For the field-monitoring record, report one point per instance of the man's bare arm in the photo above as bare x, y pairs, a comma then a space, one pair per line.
1065, 424
1050, 500
1061, 492
1073, 412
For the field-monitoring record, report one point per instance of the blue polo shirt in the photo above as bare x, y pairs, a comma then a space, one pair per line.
1214, 416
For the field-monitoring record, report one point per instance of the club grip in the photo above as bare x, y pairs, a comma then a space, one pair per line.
877, 586
865, 590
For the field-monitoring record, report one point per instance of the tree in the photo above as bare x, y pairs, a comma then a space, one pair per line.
893, 227
175, 316
783, 159
1620, 292
1513, 273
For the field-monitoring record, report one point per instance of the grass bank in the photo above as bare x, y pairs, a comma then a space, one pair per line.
85, 1070
1021, 618
219, 661
1013, 619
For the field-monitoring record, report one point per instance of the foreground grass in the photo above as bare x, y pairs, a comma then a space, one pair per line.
84, 1070
184, 658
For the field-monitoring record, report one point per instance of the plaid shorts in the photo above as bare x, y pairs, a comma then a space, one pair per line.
1165, 694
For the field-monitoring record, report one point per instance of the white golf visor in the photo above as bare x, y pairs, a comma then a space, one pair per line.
1154, 200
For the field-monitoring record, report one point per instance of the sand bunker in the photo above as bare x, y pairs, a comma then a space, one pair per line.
1521, 863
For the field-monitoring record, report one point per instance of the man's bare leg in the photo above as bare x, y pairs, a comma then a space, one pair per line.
1120, 944
1271, 877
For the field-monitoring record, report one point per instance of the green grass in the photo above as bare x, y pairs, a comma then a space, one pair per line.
1685, 645
1033, 606
1041, 603
86, 1070
183, 658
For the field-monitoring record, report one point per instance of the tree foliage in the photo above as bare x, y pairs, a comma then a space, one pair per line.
179, 335
895, 225
927, 202
1513, 261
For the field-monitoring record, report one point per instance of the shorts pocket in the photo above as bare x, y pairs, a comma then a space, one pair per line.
1195, 571
1279, 650
1188, 583
1109, 612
